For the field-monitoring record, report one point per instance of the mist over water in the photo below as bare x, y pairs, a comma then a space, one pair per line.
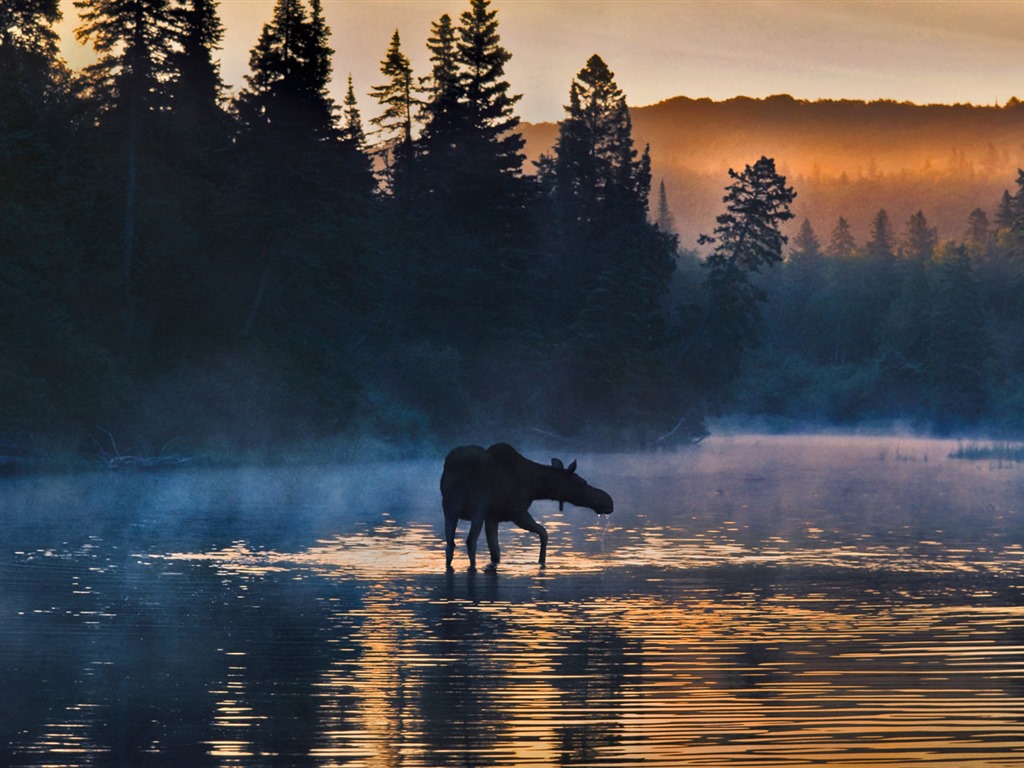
753, 601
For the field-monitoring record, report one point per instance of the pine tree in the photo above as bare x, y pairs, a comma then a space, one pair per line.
1005, 211
352, 128
842, 285
33, 72
135, 40
198, 86
128, 85
841, 244
665, 221
881, 280
595, 172
880, 247
27, 25
747, 239
806, 246
905, 328
289, 73
319, 50
959, 345
442, 114
921, 239
397, 96
487, 106
978, 236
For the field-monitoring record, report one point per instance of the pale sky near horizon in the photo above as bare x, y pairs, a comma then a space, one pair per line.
923, 51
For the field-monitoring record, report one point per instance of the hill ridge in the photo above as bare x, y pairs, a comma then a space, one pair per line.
846, 157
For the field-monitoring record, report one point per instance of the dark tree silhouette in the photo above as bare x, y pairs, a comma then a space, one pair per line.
747, 239
396, 123
286, 89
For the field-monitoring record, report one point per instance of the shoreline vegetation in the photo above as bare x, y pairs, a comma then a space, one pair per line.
997, 451
900, 444
191, 275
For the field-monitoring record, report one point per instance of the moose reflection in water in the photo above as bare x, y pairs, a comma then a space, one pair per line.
487, 486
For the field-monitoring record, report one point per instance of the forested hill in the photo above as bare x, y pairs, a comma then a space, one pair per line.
845, 158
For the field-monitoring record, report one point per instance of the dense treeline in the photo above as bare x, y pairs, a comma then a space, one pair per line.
252, 272
902, 327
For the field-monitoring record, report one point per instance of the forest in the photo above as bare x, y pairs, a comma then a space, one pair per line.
263, 274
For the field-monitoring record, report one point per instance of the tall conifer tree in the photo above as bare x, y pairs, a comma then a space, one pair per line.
128, 84
841, 244
198, 85
666, 221
595, 171
487, 104
441, 108
747, 239
289, 74
398, 99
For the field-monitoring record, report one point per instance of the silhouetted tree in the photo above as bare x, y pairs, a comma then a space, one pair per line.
880, 248
978, 237
442, 114
665, 220
198, 86
747, 239
904, 339
841, 244
135, 40
395, 123
27, 25
610, 267
595, 172
352, 128
286, 89
921, 239
492, 138
1005, 213
959, 347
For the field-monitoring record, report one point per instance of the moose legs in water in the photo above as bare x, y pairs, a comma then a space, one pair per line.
451, 522
525, 521
490, 527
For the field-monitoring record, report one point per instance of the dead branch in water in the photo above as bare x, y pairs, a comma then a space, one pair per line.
118, 461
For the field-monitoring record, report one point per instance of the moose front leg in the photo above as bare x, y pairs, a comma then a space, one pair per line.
451, 522
491, 530
527, 523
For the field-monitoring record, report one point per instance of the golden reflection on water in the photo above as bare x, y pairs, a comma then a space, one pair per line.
509, 670
233, 718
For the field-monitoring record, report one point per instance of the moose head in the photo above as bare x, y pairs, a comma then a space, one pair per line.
572, 488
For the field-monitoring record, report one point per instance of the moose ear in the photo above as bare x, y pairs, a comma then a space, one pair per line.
557, 464
572, 467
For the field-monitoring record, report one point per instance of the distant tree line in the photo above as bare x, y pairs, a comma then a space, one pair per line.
902, 327
254, 271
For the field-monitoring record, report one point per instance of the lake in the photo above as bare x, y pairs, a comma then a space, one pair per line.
753, 601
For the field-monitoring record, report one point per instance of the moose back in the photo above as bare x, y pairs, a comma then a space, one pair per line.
488, 486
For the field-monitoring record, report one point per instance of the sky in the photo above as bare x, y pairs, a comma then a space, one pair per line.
948, 51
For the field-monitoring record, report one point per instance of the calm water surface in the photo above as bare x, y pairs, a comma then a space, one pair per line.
752, 602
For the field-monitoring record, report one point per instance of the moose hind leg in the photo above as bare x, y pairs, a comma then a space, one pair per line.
527, 523
474, 534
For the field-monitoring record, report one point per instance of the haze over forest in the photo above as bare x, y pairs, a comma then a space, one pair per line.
845, 158
249, 273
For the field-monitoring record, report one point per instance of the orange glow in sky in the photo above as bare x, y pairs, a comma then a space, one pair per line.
925, 52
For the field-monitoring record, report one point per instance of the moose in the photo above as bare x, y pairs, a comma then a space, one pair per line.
487, 486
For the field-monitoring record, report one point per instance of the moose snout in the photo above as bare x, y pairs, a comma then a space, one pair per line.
603, 504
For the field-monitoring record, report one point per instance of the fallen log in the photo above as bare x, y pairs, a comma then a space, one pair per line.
115, 460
